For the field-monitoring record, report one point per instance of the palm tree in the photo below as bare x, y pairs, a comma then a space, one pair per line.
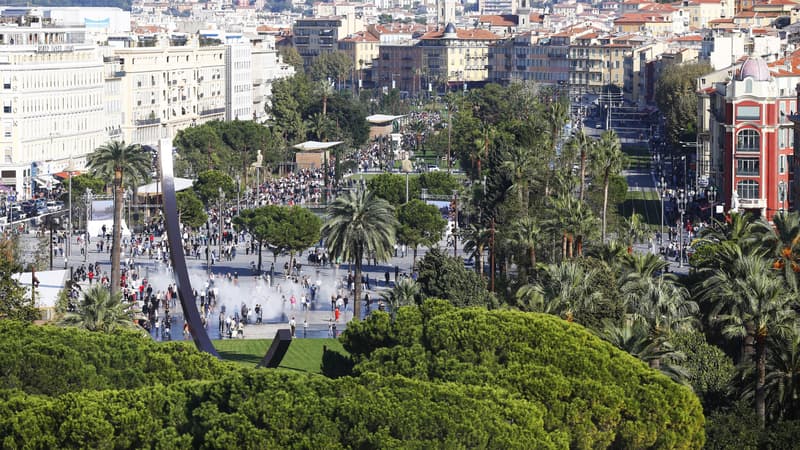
660, 303
785, 245
634, 230
585, 146
119, 163
100, 310
656, 351
752, 303
782, 383
519, 164
325, 89
360, 223
567, 288
476, 239
405, 292
608, 161
525, 235
320, 126
557, 116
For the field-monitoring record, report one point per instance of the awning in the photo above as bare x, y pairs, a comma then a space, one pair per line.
181, 184
46, 180
65, 175
313, 146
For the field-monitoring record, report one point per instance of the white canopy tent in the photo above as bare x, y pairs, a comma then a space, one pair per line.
181, 184
50, 284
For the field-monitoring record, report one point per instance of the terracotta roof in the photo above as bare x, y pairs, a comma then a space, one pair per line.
361, 36
473, 33
754, 14
642, 18
689, 38
507, 20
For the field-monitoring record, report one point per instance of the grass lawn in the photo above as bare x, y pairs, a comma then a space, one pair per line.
645, 203
304, 355
638, 155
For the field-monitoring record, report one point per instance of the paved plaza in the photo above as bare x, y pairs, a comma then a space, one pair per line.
249, 289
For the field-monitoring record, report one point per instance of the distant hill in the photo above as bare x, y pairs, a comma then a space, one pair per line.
123, 4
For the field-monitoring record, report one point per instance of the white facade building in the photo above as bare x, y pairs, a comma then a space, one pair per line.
166, 88
52, 97
238, 79
268, 67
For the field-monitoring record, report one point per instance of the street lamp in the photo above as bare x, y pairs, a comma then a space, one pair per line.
88, 216
662, 191
70, 168
712, 197
683, 199
455, 223
219, 219
238, 189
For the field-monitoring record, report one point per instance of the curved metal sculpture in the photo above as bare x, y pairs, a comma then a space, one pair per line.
172, 225
203, 343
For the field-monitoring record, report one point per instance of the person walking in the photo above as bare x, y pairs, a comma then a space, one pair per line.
292, 326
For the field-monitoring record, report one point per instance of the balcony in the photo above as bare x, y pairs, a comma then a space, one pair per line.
145, 122
210, 112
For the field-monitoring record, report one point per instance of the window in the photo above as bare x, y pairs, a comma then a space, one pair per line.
781, 192
748, 113
782, 164
748, 86
748, 141
747, 189
747, 167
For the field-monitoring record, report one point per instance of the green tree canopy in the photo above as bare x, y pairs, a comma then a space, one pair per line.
15, 301
420, 224
445, 277
392, 188
208, 184
595, 395
191, 209
677, 100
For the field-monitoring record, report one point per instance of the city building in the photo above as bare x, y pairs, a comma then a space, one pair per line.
238, 79
170, 83
268, 67
52, 97
746, 138
314, 36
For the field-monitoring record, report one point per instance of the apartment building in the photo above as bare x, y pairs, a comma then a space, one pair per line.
52, 97
597, 60
531, 57
171, 85
746, 137
314, 36
457, 56
268, 67
238, 79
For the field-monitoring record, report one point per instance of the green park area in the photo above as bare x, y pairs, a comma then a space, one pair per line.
304, 355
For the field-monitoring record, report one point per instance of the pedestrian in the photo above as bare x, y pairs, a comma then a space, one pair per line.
386, 276
396, 273
292, 325
305, 327
336, 314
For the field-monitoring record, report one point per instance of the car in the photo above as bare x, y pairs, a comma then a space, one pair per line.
53, 206
432, 168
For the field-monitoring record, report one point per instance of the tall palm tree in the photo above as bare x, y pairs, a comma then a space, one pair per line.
405, 292
100, 310
321, 126
359, 224
785, 246
752, 303
782, 383
519, 164
557, 116
525, 235
476, 239
660, 303
325, 90
585, 147
608, 161
119, 163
